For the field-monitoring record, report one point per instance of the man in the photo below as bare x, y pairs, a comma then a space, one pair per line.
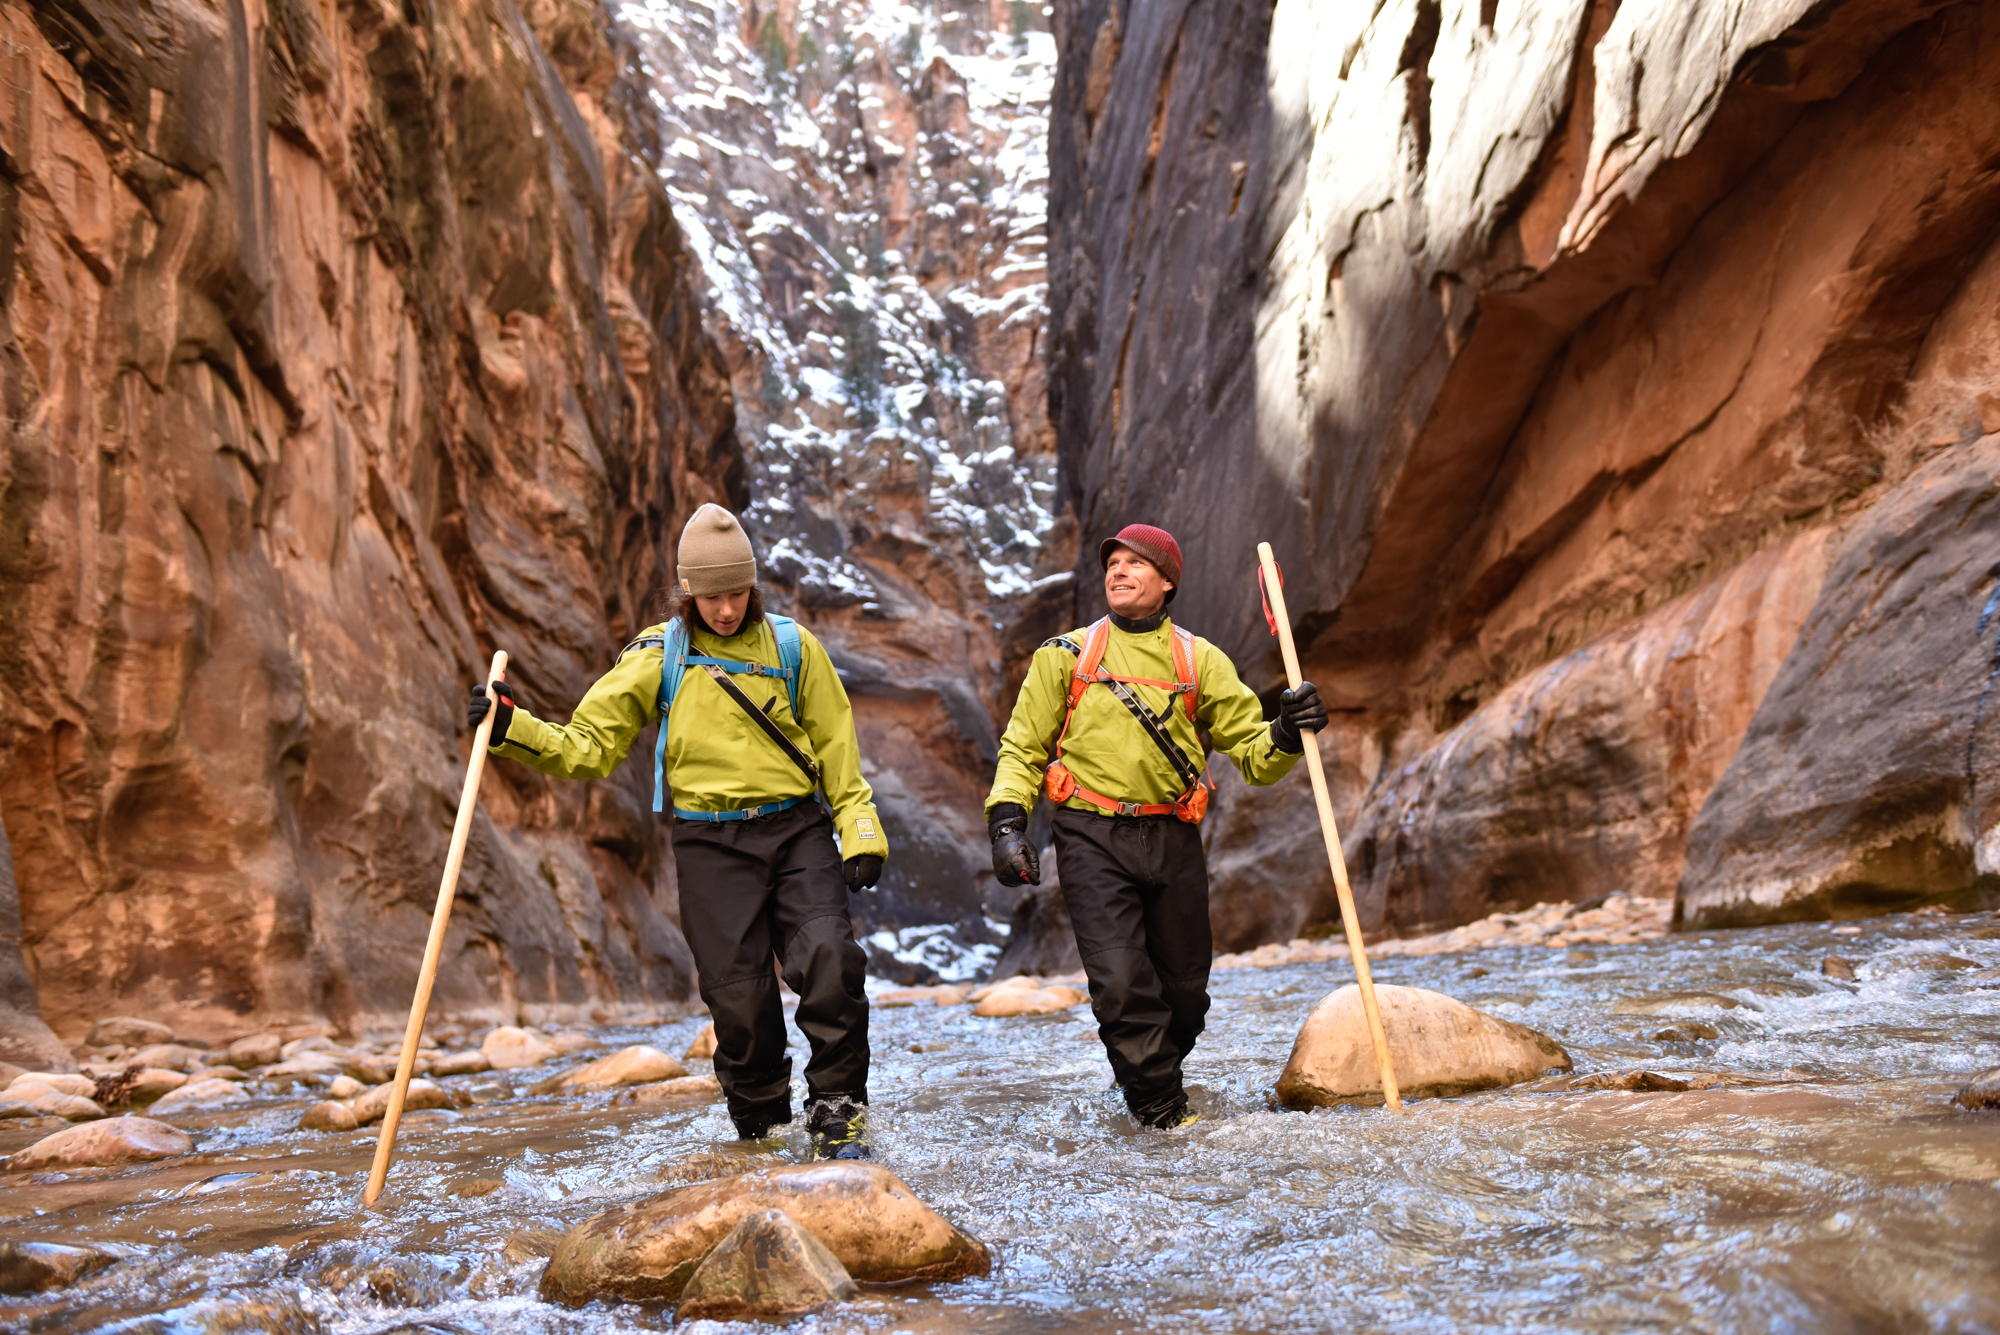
1109, 725
761, 875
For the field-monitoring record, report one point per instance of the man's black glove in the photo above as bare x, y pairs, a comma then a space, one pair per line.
863, 870
1014, 858
1299, 710
476, 707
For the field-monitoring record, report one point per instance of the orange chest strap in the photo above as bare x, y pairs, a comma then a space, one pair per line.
1061, 785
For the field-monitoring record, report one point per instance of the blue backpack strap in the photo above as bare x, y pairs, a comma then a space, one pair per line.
791, 658
673, 666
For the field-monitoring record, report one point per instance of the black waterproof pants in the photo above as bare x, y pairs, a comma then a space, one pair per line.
1137, 891
757, 890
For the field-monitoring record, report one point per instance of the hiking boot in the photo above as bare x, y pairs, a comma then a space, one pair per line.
839, 1128
1165, 1114
757, 1125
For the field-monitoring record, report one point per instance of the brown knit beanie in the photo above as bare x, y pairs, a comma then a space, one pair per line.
715, 554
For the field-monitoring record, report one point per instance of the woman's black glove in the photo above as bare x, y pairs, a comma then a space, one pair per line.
863, 870
476, 707
1299, 710
1014, 858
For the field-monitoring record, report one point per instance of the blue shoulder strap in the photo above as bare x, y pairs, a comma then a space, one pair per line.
673, 666
790, 655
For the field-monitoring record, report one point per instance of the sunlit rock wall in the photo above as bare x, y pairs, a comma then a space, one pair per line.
1583, 362
340, 346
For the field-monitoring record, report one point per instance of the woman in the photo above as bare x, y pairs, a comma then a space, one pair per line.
757, 721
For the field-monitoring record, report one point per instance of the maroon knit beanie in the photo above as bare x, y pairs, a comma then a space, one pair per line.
1155, 544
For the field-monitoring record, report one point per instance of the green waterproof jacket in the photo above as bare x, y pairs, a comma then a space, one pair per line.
717, 758
1107, 749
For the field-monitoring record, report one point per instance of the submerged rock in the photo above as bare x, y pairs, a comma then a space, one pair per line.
1440, 1047
768, 1266
637, 1065
1982, 1092
329, 1115
703, 1046
36, 1267
114, 1140
1687, 1031
862, 1212
665, 1091
507, 1048
1836, 967
200, 1094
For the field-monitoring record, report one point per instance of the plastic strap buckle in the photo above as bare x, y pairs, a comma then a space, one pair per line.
1128, 808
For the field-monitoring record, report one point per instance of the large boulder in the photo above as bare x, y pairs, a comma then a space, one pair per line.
1440, 1047
115, 1140
862, 1212
637, 1065
768, 1266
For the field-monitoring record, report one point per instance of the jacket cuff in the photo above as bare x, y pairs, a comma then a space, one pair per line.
861, 832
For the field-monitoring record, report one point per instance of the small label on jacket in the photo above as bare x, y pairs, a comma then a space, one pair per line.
864, 827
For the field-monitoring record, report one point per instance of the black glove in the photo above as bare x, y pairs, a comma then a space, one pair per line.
1014, 858
476, 707
1299, 710
863, 870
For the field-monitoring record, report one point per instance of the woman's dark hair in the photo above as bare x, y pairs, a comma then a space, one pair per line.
681, 604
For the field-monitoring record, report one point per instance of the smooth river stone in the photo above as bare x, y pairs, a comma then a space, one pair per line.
37, 1267
768, 1266
473, 1062
1440, 1047
329, 1115
53, 1102
637, 1065
374, 1105
666, 1091
508, 1048
703, 1046
256, 1050
114, 1140
1011, 1001
125, 1031
1982, 1092
76, 1086
200, 1094
861, 1212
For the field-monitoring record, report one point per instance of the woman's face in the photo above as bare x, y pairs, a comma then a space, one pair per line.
723, 611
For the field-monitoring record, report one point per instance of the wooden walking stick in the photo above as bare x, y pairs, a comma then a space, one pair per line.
461, 831
1274, 592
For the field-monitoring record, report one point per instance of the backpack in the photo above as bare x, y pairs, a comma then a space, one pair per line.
675, 660
1061, 785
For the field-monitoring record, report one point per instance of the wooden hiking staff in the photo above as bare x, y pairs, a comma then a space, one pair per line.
461, 831
1274, 592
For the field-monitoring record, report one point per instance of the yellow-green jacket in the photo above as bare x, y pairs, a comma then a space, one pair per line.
1107, 749
717, 759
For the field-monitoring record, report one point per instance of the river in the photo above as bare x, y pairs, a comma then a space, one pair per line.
1827, 1185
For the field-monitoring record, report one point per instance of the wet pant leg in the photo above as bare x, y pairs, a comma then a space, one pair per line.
823, 963
1137, 893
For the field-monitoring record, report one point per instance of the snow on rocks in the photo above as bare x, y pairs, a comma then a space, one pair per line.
1439, 1046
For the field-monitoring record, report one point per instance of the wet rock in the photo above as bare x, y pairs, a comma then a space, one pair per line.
81, 1086
1012, 1001
126, 1031
637, 1065
862, 1213
508, 1048
1930, 963
667, 1091
1982, 1092
13, 1109
115, 1140
365, 1072
329, 1115
37, 1267
461, 1063
1833, 966
224, 1072
480, 1186
276, 1314
1440, 1047
300, 1046
572, 1041
703, 1046
374, 1105
1688, 1031
487, 1091
1639, 1081
304, 1066
167, 1056
768, 1266
256, 1050
346, 1087
1981, 978
199, 1094
1675, 1001
49, 1102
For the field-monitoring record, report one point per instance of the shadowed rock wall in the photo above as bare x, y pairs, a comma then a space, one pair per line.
341, 345
1561, 350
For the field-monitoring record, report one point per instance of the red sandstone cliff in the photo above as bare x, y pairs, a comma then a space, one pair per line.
1619, 386
342, 344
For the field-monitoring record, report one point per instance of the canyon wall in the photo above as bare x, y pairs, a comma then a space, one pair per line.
1617, 383
342, 344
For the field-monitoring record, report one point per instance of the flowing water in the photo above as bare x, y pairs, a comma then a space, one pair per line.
1832, 1187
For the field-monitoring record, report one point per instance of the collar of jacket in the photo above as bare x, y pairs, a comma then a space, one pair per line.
1141, 625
